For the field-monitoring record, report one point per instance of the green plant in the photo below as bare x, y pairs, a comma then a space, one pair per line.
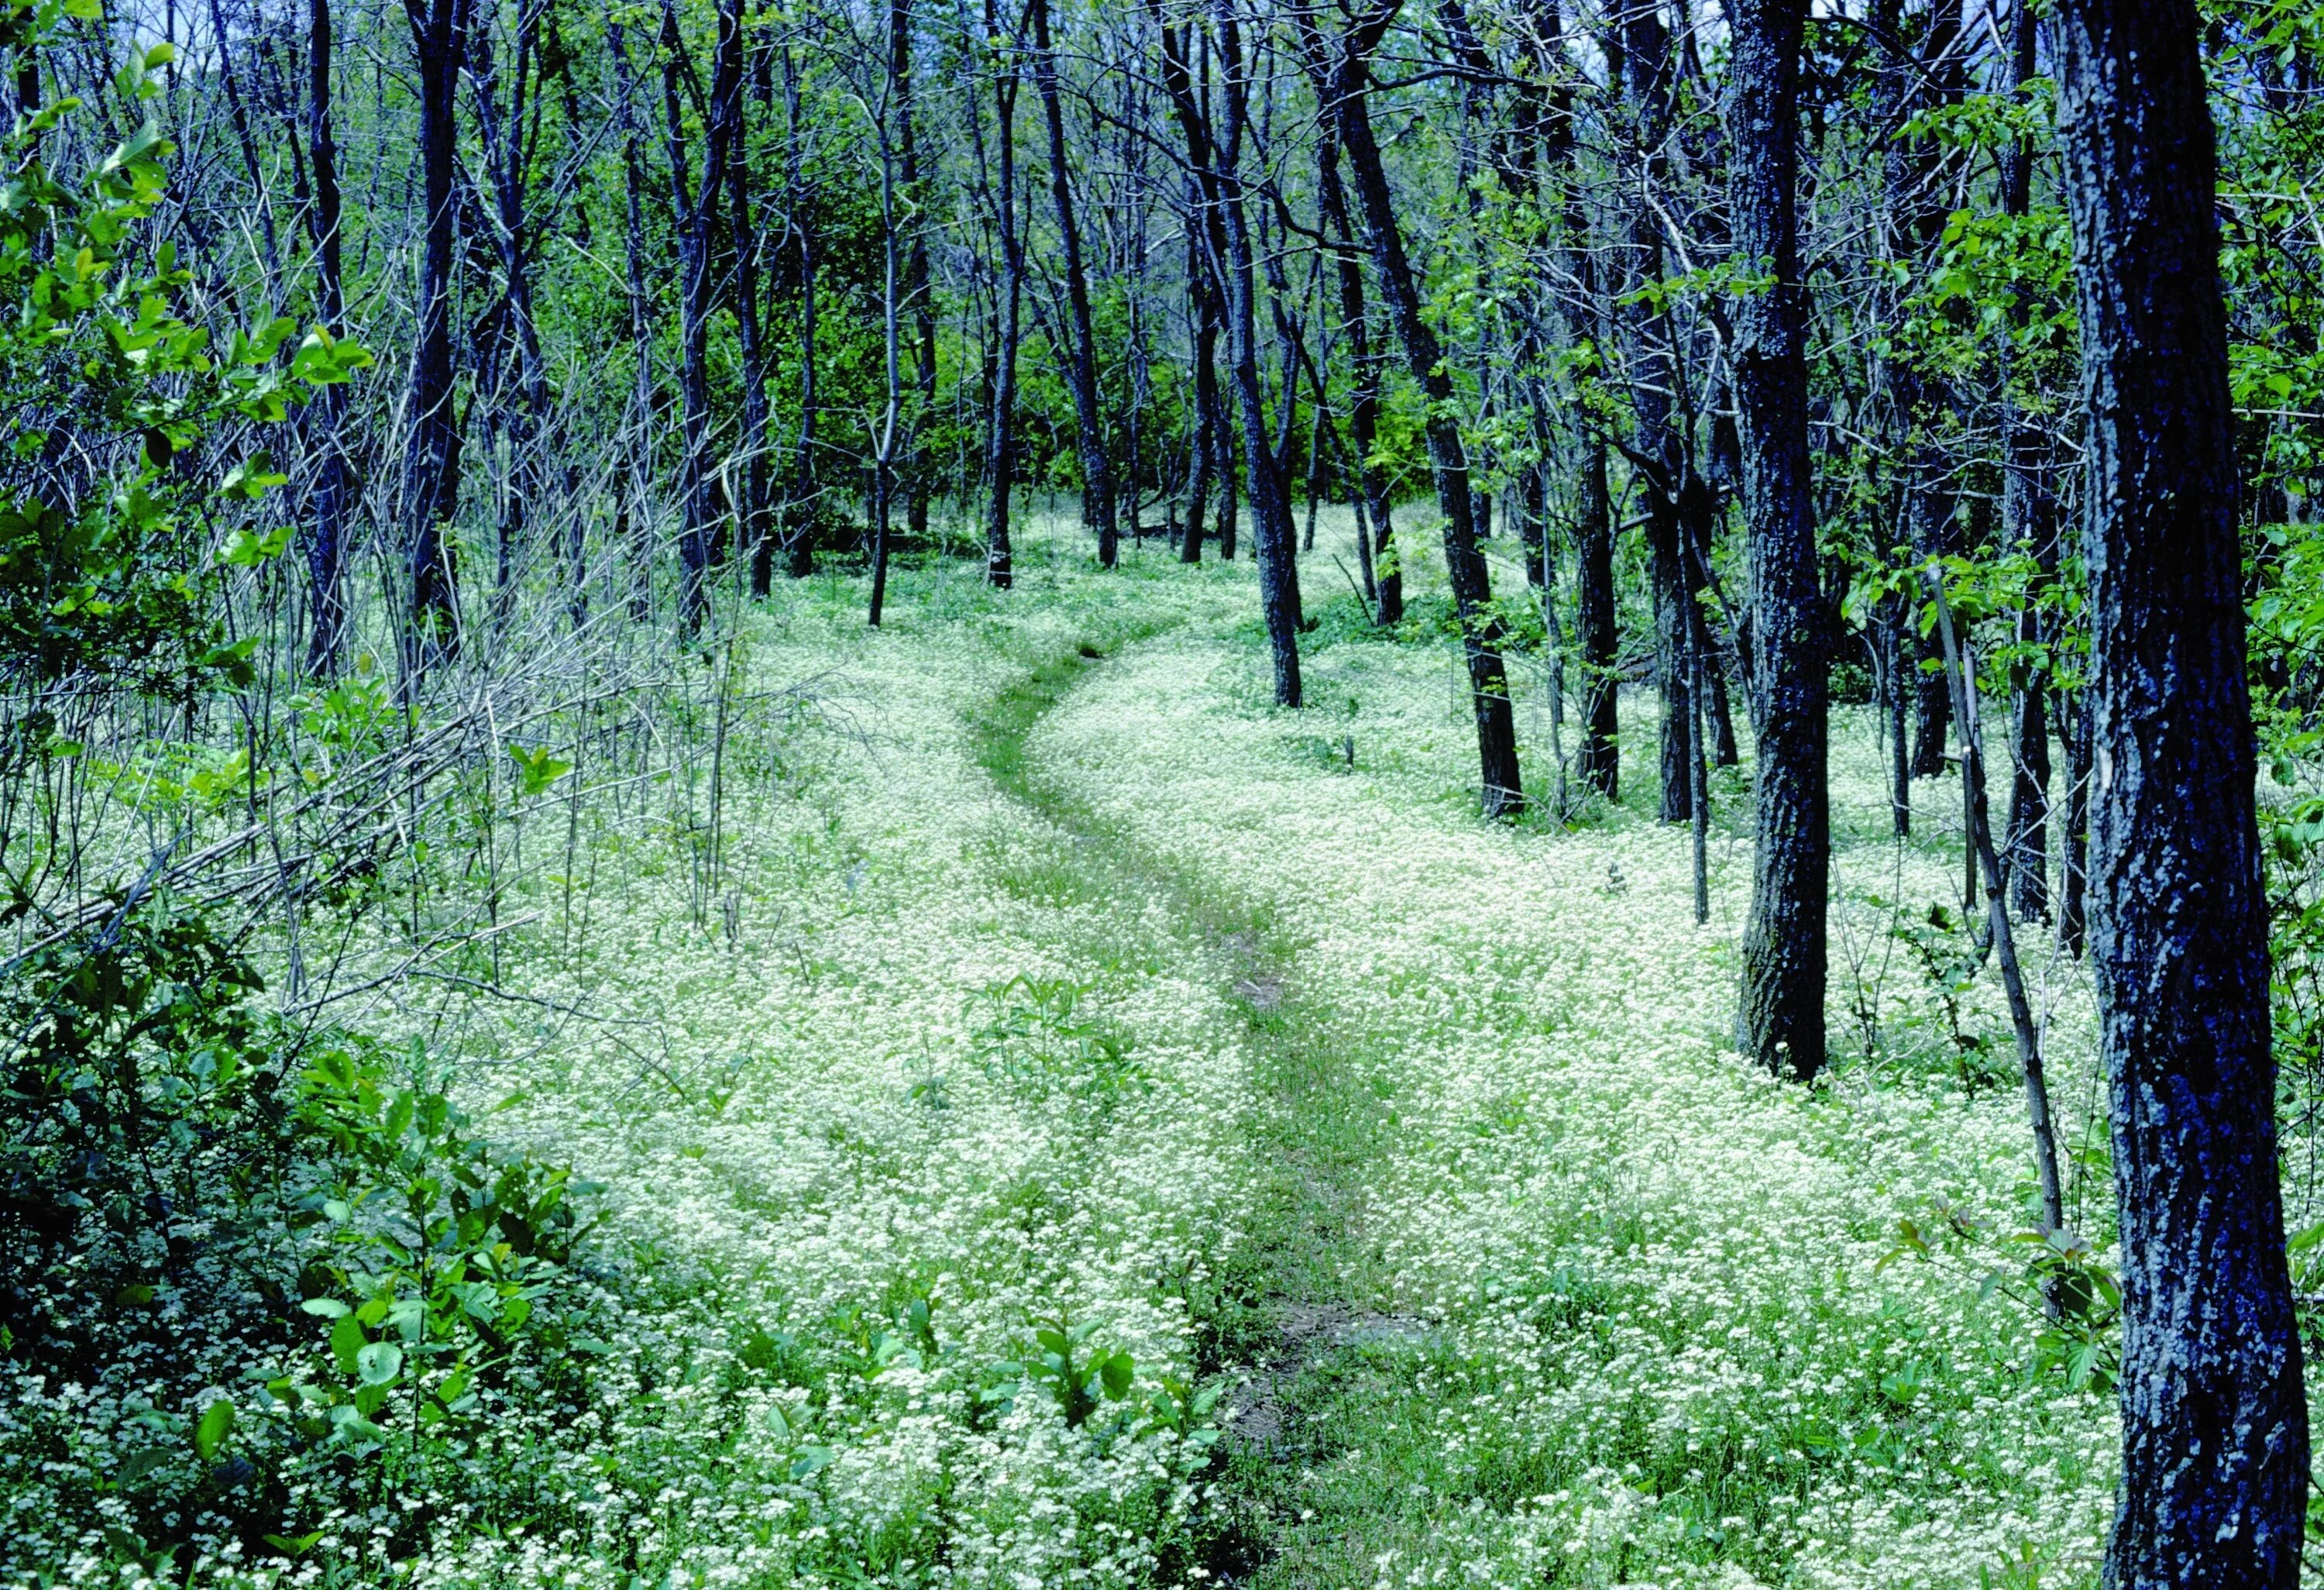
1041, 1037
440, 1253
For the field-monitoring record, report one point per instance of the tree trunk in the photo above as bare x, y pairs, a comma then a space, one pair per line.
431, 459
798, 535
2029, 521
1081, 371
1781, 1021
1593, 582
1343, 82
327, 549
696, 209
2214, 1415
1270, 493
1001, 435
1365, 362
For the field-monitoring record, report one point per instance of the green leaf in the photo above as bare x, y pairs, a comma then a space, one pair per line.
1115, 1373
379, 1363
210, 1434
138, 1463
808, 1459
346, 1342
326, 1308
291, 1546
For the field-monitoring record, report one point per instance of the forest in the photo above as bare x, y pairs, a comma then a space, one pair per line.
1332, 795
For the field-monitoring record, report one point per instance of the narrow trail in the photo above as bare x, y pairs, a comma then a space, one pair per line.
1281, 1307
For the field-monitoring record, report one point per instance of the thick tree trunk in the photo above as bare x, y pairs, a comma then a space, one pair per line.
2214, 1417
1081, 367
1343, 81
1781, 1021
431, 460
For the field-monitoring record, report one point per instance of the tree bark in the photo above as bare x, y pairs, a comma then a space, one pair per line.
1781, 1021
2029, 522
696, 209
431, 459
1080, 369
1270, 493
327, 551
1000, 434
1343, 82
1365, 362
2214, 1415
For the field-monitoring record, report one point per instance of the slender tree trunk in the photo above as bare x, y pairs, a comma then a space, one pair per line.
1097, 474
695, 207
1593, 581
1202, 311
886, 437
2073, 712
1659, 459
918, 288
798, 535
1270, 493
2029, 522
1366, 363
327, 549
431, 462
754, 514
1343, 83
1000, 434
639, 428
2214, 1415
1781, 1021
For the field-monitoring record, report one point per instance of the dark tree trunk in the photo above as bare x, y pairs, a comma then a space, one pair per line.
1659, 458
2029, 522
1593, 581
2073, 712
1270, 493
1781, 1021
1896, 694
502, 123
1081, 367
431, 460
1665, 574
327, 549
2214, 1417
1365, 362
1000, 435
919, 289
639, 437
1343, 81
1202, 311
799, 536
754, 514
696, 208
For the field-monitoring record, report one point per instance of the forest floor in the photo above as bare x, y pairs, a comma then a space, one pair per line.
1092, 1127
